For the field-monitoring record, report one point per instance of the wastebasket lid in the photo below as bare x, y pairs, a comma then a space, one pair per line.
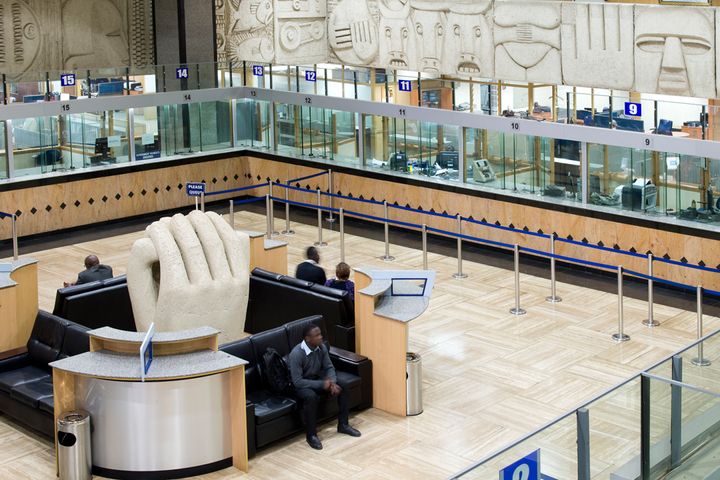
73, 417
412, 357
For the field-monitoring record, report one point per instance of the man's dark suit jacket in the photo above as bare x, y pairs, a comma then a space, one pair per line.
311, 272
98, 272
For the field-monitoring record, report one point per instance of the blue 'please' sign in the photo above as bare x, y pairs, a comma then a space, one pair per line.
194, 189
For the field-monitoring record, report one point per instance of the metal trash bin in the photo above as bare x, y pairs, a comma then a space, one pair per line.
413, 378
74, 446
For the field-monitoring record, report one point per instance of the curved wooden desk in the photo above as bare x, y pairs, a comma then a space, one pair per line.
381, 333
18, 302
188, 417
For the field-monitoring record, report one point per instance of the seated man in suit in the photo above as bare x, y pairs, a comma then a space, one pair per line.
310, 270
94, 271
313, 376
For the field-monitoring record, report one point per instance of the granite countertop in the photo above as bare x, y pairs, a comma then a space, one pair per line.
118, 366
109, 333
402, 309
252, 233
9, 267
270, 244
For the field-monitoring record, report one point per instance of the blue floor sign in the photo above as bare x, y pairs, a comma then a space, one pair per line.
527, 468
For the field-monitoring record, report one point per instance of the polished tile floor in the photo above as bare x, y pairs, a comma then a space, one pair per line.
489, 377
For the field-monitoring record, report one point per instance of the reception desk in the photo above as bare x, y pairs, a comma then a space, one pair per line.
18, 302
186, 418
385, 302
270, 255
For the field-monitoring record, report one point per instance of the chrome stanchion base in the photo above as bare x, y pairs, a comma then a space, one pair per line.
320, 244
275, 234
288, 232
701, 362
517, 311
459, 275
650, 323
554, 299
387, 258
330, 219
620, 337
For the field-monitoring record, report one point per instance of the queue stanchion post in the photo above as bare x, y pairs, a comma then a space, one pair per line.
553, 298
268, 226
197, 203
202, 202
387, 257
14, 237
288, 231
700, 361
231, 215
330, 218
424, 247
459, 274
272, 210
517, 310
342, 234
650, 321
620, 336
320, 242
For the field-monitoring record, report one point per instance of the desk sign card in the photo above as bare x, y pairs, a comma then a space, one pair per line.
146, 352
114, 141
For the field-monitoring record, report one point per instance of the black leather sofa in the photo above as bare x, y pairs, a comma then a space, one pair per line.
97, 304
26, 389
272, 417
276, 299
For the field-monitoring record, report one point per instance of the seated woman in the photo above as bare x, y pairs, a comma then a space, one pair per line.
342, 280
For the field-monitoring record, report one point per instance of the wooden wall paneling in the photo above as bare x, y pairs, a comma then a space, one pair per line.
8, 324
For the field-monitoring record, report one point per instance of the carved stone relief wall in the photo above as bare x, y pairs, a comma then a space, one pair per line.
41, 35
646, 48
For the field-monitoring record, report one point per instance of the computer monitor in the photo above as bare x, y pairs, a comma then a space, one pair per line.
448, 160
398, 161
101, 146
664, 127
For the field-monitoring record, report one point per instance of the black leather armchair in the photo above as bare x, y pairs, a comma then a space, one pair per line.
273, 417
276, 299
26, 390
97, 304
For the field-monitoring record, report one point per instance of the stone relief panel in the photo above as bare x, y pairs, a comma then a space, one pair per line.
300, 27
675, 50
220, 31
52, 35
353, 31
249, 32
94, 33
468, 49
597, 45
527, 41
397, 35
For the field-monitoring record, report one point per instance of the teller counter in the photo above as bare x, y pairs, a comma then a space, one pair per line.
186, 418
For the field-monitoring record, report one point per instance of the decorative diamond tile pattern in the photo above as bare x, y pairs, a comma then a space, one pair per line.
33, 210
63, 205
77, 203
48, 208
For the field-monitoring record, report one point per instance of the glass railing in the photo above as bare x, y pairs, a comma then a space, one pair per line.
677, 116
663, 186
663, 423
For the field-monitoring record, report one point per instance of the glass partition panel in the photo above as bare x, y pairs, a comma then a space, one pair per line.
37, 145
287, 128
214, 125
147, 133
343, 136
98, 138
558, 454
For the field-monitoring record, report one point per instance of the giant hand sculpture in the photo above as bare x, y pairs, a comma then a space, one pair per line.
188, 272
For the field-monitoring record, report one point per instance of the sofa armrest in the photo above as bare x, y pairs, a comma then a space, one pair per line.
13, 352
345, 337
357, 365
13, 363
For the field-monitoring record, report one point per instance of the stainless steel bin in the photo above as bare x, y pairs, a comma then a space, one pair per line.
74, 446
413, 378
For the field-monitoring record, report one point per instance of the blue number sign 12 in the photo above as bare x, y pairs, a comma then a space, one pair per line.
310, 75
